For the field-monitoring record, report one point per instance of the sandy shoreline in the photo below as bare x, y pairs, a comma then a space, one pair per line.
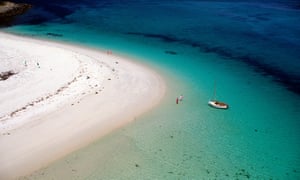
63, 97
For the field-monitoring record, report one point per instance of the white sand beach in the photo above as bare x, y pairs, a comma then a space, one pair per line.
60, 98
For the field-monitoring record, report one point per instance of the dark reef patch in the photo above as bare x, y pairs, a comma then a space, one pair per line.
171, 52
59, 11
44, 11
291, 82
54, 34
165, 38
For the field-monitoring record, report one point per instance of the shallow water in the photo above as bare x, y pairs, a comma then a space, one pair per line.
249, 49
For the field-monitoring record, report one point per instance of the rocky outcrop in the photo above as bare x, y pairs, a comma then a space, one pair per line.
9, 10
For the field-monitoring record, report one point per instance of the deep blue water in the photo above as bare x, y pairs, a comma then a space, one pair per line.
263, 34
250, 48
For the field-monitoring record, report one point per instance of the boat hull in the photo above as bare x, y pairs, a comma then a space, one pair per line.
218, 104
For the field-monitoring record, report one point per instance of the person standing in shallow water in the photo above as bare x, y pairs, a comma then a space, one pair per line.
181, 97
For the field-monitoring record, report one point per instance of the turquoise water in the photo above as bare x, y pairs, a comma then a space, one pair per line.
249, 49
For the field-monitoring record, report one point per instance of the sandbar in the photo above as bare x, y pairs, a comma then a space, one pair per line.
61, 97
